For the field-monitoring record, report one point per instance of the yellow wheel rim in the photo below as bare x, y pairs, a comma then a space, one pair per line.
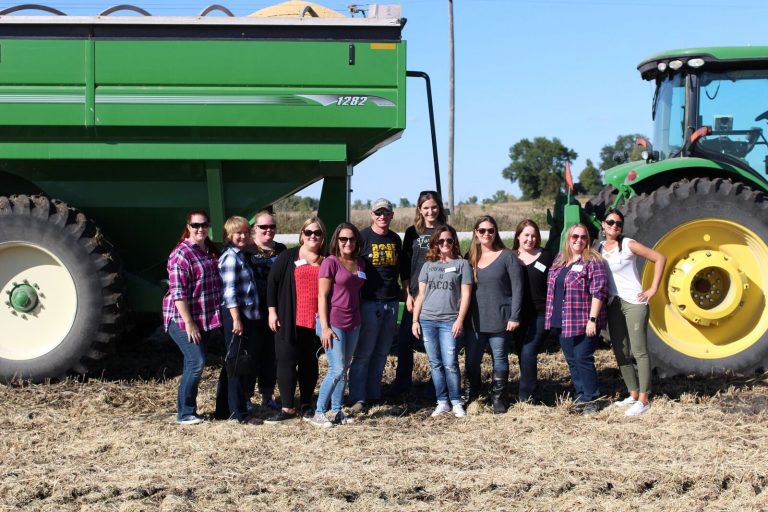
711, 301
28, 334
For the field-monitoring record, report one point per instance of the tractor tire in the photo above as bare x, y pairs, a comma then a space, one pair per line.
710, 314
601, 202
61, 287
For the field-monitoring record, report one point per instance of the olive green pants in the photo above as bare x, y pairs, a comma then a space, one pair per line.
627, 324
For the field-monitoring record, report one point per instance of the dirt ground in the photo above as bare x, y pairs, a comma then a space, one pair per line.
110, 443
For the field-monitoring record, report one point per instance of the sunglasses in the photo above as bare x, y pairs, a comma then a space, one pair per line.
445, 241
345, 239
424, 193
579, 237
382, 213
265, 227
618, 223
483, 231
318, 233
199, 225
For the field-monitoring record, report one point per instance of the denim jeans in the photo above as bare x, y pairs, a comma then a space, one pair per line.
579, 353
475, 343
442, 351
527, 342
232, 390
376, 335
339, 357
405, 344
194, 362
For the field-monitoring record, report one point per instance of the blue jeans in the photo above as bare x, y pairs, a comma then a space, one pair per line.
579, 353
376, 335
405, 343
339, 357
442, 351
194, 362
475, 343
527, 342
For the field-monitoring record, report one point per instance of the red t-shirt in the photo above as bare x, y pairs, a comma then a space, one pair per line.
306, 294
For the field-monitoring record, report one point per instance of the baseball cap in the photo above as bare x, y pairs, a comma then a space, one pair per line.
382, 204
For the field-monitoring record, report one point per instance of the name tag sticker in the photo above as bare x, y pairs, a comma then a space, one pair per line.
361, 274
540, 266
577, 268
299, 263
450, 269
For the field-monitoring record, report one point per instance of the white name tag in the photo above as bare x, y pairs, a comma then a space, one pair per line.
299, 263
577, 268
361, 274
450, 269
540, 266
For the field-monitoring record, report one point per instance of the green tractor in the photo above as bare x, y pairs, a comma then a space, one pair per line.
113, 127
699, 197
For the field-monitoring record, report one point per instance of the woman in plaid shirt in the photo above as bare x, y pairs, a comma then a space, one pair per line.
577, 288
191, 307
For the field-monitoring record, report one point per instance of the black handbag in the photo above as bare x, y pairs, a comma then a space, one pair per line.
239, 359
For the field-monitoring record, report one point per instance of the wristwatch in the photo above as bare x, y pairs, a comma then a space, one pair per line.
593, 319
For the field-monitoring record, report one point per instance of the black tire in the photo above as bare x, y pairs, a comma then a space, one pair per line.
50, 227
649, 217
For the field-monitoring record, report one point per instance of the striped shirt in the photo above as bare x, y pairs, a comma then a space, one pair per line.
193, 275
585, 280
239, 283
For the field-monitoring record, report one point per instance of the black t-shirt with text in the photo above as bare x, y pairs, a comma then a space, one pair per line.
382, 255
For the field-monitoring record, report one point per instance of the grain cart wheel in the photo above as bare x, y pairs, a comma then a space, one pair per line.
60, 290
710, 313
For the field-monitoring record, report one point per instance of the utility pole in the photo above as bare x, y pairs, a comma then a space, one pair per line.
451, 106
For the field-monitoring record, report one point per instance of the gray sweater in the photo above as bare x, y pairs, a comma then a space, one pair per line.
498, 294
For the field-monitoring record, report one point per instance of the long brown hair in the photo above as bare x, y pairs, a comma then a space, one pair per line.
425, 196
519, 229
433, 253
566, 253
186, 234
475, 249
334, 247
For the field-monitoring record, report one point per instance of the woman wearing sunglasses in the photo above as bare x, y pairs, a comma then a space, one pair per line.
536, 262
191, 307
429, 215
239, 311
628, 308
445, 290
342, 276
495, 310
577, 287
292, 287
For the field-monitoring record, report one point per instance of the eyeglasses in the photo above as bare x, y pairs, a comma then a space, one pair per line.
445, 241
265, 227
579, 237
199, 225
382, 213
483, 231
345, 239
318, 233
618, 223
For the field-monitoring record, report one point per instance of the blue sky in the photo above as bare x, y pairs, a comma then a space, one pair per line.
524, 68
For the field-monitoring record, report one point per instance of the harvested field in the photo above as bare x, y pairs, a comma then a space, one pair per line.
110, 443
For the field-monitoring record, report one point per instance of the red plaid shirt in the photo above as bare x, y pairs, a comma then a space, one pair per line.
580, 287
193, 274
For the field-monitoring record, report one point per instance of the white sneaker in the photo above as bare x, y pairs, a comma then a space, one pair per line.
637, 409
458, 411
319, 420
626, 402
441, 409
190, 420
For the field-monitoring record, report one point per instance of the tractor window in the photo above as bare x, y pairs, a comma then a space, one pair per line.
735, 105
669, 116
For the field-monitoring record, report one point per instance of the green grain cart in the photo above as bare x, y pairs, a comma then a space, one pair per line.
113, 127
699, 197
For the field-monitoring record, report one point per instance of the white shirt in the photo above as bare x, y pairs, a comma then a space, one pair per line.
623, 279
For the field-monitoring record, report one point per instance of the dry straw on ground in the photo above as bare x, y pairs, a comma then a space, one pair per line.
111, 444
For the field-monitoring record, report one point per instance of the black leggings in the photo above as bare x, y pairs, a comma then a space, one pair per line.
297, 362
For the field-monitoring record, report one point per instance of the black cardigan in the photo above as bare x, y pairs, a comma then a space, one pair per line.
281, 294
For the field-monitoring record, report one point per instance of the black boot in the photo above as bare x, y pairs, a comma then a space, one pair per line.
472, 389
498, 389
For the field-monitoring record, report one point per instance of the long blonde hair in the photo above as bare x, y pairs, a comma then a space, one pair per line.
566, 253
475, 249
